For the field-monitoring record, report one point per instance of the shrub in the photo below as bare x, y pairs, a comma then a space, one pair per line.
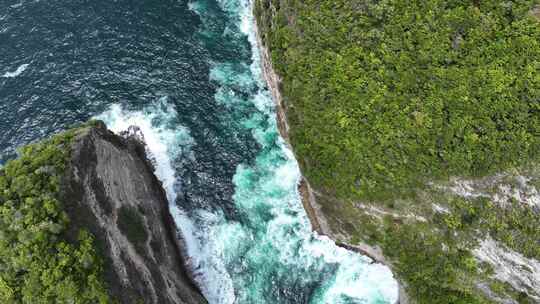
37, 264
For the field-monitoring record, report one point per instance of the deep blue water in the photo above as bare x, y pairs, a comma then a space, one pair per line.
188, 74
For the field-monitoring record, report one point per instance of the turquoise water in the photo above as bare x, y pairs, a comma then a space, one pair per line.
268, 255
188, 74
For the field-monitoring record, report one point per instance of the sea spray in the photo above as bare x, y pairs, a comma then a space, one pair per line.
267, 254
17, 72
271, 252
167, 143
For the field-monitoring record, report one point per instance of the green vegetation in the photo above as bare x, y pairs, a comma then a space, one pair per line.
442, 247
437, 266
131, 224
516, 226
386, 96
433, 256
383, 96
37, 262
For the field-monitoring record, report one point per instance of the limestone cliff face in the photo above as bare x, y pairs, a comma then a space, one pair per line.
111, 190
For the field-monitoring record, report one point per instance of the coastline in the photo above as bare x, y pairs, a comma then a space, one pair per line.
272, 80
308, 196
319, 224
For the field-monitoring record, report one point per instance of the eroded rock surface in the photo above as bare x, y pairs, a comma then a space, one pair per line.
112, 191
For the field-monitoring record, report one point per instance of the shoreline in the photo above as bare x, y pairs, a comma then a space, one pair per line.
308, 196
305, 191
319, 224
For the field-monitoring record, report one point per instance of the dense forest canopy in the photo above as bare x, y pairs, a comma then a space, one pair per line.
387, 99
384, 96
38, 261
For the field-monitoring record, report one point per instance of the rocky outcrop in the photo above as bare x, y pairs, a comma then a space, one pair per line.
535, 12
511, 267
110, 189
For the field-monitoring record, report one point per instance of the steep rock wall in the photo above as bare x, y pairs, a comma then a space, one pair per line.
111, 190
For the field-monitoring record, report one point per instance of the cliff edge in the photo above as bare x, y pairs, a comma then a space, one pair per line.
114, 193
83, 219
468, 235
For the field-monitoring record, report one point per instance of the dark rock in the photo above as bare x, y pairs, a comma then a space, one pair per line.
110, 188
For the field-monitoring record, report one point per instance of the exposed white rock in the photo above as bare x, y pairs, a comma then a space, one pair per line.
522, 273
440, 209
466, 188
380, 213
498, 188
524, 193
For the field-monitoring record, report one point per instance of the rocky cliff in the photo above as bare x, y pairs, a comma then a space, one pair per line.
83, 219
459, 240
112, 192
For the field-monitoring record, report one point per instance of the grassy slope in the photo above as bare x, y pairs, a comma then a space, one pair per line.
37, 263
385, 96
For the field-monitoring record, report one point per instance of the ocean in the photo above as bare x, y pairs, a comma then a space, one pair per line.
188, 74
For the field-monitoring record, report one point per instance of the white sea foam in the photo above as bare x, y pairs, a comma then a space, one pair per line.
17, 72
166, 143
235, 260
356, 278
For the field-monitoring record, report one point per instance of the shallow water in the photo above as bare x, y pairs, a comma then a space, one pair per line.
188, 75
